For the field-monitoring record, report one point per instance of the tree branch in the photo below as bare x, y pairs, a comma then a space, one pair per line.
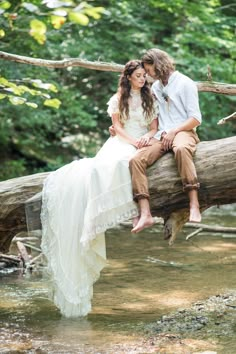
65, 63
215, 87
228, 118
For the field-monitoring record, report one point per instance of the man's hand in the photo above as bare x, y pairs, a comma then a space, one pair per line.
112, 130
167, 139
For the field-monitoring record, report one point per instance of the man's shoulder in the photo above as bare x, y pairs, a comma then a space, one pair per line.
184, 78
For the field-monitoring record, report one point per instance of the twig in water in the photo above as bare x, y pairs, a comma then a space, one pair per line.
32, 247
24, 254
35, 259
194, 233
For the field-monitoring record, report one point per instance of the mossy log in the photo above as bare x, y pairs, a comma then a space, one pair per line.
216, 167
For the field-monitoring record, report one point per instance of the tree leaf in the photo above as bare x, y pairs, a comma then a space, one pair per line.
45, 86
57, 21
30, 7
17, 100
31, 104
38, 30
2, 33
5, 5
79, 18
94, 12
54, 103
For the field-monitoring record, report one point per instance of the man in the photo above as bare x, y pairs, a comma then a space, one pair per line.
179, 115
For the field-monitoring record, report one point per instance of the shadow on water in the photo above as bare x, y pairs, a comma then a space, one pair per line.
144, 280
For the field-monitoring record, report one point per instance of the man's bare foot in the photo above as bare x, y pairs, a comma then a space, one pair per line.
143, 223
135, 220
195, 215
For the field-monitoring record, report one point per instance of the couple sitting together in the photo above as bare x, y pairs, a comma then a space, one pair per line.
83, 199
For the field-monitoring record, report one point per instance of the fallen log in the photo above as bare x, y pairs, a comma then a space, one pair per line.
13, 194
216, 167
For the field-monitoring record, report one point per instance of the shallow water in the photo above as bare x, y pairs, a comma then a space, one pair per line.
144, 279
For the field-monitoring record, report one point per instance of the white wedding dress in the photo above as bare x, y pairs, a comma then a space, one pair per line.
80, 201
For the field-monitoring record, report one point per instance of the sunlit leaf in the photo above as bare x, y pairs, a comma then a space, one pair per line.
54, 103
17, 100
30, 7
2, 96
45, 86
57, 21
31, 104
60, 12
52, 4
5, 5
38, 30
4, 81
2, 33
94, 12
78, 18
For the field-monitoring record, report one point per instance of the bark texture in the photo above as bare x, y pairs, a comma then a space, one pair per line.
216, 167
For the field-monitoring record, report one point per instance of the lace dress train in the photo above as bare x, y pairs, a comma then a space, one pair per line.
80, 202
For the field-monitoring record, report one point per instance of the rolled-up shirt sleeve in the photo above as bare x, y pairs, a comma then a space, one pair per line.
191, 100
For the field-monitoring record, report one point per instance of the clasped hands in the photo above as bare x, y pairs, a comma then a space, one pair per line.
166, 139
139, 143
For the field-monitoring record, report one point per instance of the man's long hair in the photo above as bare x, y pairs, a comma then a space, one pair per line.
162, 62
124, 89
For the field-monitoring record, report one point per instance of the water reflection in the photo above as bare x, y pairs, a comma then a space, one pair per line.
144, 279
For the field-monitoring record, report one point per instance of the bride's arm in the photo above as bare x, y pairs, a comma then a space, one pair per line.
152, 129
145, 139
121, 132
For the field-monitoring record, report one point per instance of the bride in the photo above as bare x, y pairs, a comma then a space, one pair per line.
83, 199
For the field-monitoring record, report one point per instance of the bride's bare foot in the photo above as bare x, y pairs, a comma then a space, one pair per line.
143, 222
135, 220
195, 215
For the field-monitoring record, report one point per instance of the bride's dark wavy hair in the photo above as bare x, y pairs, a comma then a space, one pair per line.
124, 89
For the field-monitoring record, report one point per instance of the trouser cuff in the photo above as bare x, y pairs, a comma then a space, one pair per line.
189, 187
139, 196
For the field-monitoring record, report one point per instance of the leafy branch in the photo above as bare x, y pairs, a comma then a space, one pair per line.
17, 94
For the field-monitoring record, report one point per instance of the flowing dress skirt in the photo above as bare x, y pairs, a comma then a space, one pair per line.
80, 202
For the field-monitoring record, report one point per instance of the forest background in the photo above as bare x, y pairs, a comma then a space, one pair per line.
51, 116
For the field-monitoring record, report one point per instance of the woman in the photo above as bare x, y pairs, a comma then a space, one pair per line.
85, 198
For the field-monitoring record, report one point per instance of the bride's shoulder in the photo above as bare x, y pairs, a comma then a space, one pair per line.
113, 104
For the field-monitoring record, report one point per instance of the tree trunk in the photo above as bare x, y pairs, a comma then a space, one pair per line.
216, 167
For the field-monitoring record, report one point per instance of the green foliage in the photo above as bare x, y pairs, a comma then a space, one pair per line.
73, 122
44, 15
13, 168
14, 92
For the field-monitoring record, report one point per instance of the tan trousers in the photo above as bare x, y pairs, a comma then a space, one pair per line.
184, 146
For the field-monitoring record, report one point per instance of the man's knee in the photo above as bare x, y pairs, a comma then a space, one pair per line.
137, 161
181, 150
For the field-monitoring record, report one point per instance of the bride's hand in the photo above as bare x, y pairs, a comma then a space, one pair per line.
143, 141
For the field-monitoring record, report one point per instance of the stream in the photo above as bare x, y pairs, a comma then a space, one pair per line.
151, 298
